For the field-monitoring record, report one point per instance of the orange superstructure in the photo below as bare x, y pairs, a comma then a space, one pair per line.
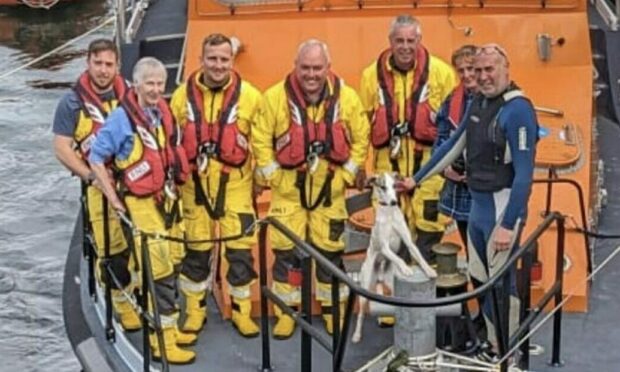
356, 32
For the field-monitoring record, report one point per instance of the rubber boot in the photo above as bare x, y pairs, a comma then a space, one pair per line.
174, 354
195, 305
386, 321
285, 325
241, 317
183, 339
127, 315
327, 317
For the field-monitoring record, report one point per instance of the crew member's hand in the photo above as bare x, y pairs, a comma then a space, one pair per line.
502, 238
360, 180
450, 174
118, 205
406, 184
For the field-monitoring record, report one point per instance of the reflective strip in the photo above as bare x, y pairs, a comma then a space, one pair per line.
512, 94
324, 293
350, 167
191, 286
289, 297
242, 292
167, 321
267, 172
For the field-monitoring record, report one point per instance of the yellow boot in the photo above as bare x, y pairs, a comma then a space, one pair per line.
183, 339
195, 305
127, 316
241, 317
174, 354
285, 325
386, 321
327, 318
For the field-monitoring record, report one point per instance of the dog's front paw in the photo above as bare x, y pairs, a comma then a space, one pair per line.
432, 274
406, 270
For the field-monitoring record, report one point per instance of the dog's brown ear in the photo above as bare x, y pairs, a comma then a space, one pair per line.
397, 176
371, 181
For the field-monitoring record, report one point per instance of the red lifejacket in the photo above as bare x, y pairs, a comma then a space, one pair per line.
456, 108
418, 115
223, 140
148, 175
328, 137
93, 107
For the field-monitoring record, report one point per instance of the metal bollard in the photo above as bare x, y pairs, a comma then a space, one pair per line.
414, 331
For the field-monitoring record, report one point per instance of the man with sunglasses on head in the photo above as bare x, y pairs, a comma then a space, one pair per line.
498, 138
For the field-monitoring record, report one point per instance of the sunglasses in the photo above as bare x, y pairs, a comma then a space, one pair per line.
492, 49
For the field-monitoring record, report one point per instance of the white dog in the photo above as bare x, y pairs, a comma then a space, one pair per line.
389, 230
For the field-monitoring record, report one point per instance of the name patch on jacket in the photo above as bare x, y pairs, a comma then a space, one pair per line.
523, 139
139, 170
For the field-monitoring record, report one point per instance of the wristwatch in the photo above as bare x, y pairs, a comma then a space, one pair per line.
90, 178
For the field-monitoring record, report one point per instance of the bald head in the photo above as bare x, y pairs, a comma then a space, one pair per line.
311, 67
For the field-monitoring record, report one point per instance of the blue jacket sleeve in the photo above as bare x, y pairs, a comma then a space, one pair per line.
113, 138
520, 126
66, 115
444, 126
444, 155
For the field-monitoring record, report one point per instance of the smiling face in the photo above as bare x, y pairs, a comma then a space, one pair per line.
404, 42
465, 69
102, 67
151, 87
217, 62
311, 69
491, 68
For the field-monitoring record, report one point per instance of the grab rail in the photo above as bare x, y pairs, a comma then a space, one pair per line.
338, 346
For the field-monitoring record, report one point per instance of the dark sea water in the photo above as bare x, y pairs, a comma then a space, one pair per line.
38, 197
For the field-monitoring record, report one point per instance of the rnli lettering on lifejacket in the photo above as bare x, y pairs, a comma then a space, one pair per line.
327, 138
221, 139
419, 121
93, 108
160, 161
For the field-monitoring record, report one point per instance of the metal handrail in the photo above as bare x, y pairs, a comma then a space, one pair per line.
337, 349
343, 277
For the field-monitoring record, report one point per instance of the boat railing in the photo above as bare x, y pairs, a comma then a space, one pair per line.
126, 30
337, 345
609, 11
146, 299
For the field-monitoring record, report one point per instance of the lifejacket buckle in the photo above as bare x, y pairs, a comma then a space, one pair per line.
313, 162
170, 190
202, 161
316, 147
395, 143
208, 148
400, 129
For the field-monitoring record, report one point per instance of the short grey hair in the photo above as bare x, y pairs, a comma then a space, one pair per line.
312, 43
145, 66
405, 20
